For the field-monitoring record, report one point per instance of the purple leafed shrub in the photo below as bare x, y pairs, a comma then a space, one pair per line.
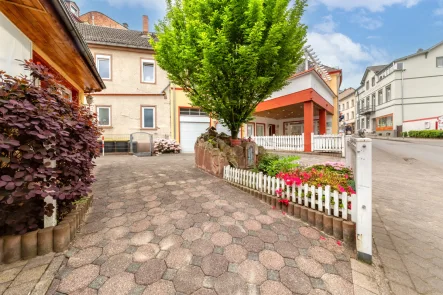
163, 146
47, 147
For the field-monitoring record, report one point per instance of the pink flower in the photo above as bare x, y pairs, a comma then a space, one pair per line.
283, 212
284, 201
322, 238
349, 206
273, 207
346, 176
340, 189
339, 243
351, 190
279, 192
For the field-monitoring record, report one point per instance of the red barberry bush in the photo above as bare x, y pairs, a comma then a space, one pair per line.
47, 148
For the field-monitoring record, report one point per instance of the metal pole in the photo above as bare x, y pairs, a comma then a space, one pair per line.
103, 145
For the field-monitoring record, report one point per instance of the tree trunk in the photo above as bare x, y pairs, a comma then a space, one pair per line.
234, 132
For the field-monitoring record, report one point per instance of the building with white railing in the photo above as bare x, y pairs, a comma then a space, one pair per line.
307, 104
403, 95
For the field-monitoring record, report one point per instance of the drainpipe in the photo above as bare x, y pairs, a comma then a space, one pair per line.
174, 109
402, 105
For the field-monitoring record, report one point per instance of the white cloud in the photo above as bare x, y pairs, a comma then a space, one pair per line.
366, 22
338, 50
372, 5
327, 26
157, 5
373, 37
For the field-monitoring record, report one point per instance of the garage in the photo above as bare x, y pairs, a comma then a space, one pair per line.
193, 122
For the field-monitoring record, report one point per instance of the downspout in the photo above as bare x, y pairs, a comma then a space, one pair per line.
402, 105
174, 105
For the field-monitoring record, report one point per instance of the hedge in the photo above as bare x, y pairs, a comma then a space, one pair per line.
424, 133
47, 147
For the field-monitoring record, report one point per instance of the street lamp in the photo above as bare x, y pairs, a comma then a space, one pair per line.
89, 100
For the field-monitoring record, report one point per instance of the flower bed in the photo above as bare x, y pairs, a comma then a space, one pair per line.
315, 194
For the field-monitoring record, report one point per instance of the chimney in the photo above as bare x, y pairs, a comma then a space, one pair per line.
125, 25
145, 24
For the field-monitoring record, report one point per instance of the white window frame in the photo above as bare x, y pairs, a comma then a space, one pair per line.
388, 98
98, 116
108, 57
151, 61
153, 117
74, 10
436, 61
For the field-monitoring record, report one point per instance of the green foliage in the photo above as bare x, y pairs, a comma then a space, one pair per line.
230, 55
271, 164
425, 133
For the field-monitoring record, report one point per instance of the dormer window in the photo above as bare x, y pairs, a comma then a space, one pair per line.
74, 10
373, 81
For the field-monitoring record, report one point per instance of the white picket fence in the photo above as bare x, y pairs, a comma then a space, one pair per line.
282, 143
329, 143
317, 198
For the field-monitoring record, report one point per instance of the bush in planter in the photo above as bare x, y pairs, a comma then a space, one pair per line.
164, 146
39, 126
426, 133
271, 164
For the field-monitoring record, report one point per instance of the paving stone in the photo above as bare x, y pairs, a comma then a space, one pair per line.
85, 291
201, 247
204, 291
336, 285
170, 242
115, 265
343, 269
79, 278
85, 256
208, 282
98, 282
169, 274
253, 244
286, 249
219, 250
197, 260
267, 236
188, 279
142, 238
230, 283
309, 266
295, 280
150, 272
221, 239
309, 233
271, 259
9, 275
210, 227
192, 234
160, 287
253, 256
272, 288
178, 258
264, 219
273, 275
164, 230
214, 265
251, 224
27, 275
235, 253
120, 284
24, 288
178, 214
237, 231
252, 272
146, 252
398, 277
322, 255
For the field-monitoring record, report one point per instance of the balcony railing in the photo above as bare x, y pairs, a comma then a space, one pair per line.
366, 109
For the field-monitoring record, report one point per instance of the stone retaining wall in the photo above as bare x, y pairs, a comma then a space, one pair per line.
333, 226
45, 240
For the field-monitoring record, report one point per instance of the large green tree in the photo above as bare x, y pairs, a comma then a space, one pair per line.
230, 55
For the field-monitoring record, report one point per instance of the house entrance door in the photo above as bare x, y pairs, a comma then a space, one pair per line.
271, 129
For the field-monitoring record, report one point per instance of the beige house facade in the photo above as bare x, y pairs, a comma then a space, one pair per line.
137, 97
346, 105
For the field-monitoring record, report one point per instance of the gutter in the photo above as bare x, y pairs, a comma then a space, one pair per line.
78, 40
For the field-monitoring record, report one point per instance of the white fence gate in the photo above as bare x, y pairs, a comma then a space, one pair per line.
282, 143
359, 158
329, 143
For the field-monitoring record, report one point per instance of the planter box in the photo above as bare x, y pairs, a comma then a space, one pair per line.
45, 240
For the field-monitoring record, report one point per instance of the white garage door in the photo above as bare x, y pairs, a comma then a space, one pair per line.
193, 123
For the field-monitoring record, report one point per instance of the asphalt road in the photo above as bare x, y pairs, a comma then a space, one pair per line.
428, 152
407, 216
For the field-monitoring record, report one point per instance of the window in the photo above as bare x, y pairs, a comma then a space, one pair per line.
388, 93
74, 10
352, 103
347, 117
347, 105
148, 71
367, 85
339, 107
440, 62
104, 116
352, 117
385, 123
148, 117
103, 63
363, 123
400, 66
380, 96
192, 112
260, 129
373, 99
250, 130
373, 81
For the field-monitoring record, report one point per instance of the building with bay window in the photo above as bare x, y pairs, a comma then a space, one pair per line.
403, 95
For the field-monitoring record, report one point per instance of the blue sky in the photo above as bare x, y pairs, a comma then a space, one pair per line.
350, 34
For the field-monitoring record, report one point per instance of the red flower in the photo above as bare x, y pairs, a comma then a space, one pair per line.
284, 201
349, 206
351, 190
339, 243
340, 189
322, 238
279, 192
273, 207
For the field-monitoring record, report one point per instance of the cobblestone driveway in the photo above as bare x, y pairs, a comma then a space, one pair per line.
160, 226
